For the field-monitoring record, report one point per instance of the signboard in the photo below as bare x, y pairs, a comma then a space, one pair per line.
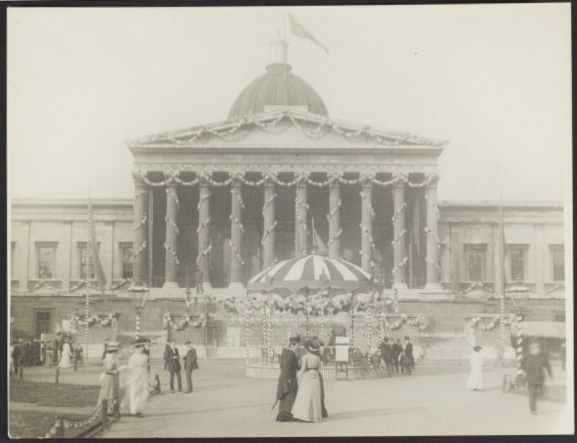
342, 349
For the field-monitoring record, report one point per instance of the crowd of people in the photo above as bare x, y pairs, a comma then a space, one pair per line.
61, 352
398, 357
136, 374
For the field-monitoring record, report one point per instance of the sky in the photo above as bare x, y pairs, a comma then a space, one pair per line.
492, 80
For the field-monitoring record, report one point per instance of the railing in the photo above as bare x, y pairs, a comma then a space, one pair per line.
94, 424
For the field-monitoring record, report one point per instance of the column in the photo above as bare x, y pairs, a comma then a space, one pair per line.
432, 236
24, 256
400, 258
268, 211
334, 218
67, 250
367, 215
170, 245
301, 211
236, 231
139, 232
204, 244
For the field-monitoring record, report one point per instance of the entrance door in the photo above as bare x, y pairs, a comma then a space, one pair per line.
42, 323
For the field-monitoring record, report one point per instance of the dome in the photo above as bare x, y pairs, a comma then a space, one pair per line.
278, 87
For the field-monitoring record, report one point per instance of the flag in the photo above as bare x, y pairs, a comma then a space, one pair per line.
319, 246
96, 265
300, 31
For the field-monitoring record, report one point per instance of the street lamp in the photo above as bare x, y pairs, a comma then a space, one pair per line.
519, 296
139, 304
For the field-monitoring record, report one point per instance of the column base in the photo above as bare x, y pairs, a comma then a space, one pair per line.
236, 288
434, 291
170, 285
206, 287
400, 286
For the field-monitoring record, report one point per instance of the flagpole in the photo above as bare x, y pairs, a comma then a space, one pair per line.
502, 283
87, 277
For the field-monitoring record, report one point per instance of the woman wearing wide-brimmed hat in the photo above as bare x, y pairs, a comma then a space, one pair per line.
109, 378
136, 392
308, 405
475, 381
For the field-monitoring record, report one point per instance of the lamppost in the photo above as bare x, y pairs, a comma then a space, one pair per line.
139, 304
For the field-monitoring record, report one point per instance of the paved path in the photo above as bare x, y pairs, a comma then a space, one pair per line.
228, 404
21, 406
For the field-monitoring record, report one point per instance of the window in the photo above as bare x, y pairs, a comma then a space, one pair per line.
46, 260
126, 260
85, 268
518, 262
43, 324
558, 260
475, 262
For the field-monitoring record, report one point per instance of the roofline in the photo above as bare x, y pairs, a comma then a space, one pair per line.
21, 202
276, 113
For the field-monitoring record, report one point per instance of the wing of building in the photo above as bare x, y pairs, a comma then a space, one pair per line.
216, 203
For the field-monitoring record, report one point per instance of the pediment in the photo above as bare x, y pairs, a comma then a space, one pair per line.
284, 129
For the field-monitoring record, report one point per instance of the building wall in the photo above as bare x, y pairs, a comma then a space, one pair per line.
64, 222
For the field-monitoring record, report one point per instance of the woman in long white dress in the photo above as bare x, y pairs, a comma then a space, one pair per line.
475, 381
308, 406
65, 355
136, 393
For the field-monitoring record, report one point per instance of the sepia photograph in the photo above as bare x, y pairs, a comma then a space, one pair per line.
289, 221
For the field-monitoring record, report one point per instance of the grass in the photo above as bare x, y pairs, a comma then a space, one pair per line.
32, 424
51, 394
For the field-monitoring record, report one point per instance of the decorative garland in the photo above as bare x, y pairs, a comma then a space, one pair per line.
418, 321
554, 288
319, 132
476, 284
510, 319
170, 323
104, 320
367, 177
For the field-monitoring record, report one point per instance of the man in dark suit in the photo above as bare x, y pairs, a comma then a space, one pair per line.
397, 351
16, 357
287, 387
387, 355
534, 365
172, 364
190, 363
408, 359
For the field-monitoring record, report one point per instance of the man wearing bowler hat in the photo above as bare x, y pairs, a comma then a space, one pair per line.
190, 364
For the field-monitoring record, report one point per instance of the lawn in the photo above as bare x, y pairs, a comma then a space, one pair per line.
52, 394
31, 424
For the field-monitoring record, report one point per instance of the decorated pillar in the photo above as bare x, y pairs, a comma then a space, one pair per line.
367, 216
301, 211
268, 211
170, 245
400, 256
204, 243
432, 236
334, 218
236, 230
139, 232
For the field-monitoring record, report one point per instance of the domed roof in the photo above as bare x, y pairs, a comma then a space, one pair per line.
278, 87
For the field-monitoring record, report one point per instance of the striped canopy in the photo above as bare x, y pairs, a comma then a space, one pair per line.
312, 271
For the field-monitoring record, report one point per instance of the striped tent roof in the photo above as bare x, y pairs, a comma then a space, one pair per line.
312, 271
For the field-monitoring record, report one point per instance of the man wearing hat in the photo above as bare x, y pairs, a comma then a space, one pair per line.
287, 383
408, 359
534, 366
190, 363
172, 364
